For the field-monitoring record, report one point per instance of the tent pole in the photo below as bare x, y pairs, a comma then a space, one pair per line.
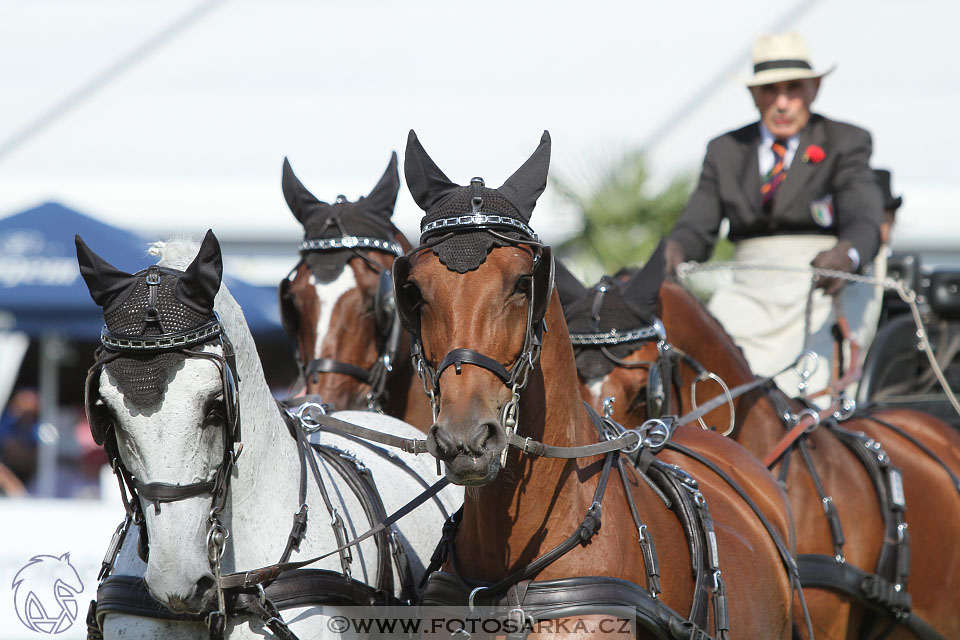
52, 350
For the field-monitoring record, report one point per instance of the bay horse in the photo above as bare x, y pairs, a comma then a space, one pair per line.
478, 297
337, 303
852, 516
177, 370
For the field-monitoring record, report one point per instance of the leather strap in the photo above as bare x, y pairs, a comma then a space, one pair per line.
821, 571
459, 357
586, 595
327, 365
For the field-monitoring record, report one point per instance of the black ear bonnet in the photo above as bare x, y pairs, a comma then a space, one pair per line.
464, 218
367, 218
155, 302
471, 209
615, 307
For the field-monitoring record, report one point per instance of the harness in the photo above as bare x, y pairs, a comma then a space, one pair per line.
884, 590
587, 595
388, 326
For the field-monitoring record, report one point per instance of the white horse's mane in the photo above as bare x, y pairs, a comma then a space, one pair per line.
176, 252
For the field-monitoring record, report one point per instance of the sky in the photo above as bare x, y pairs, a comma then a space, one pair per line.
174, 117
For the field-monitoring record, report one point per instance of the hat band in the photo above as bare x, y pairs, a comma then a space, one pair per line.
781, 64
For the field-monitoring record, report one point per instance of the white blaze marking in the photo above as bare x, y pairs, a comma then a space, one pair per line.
596, 388
328, 295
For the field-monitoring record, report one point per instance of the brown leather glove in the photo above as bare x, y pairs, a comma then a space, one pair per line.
674, 254
836, 259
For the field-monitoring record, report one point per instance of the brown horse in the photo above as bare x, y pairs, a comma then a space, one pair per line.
337, 303
476, 298
933, 512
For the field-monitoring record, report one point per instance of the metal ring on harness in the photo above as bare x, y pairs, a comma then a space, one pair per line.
813, 414
307, 421
655, 429
709, 375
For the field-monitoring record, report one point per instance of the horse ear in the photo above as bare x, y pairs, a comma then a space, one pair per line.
301, 202
527, 183
570, 289
103, 279
201, 280
383, 197
643, 288
426, 182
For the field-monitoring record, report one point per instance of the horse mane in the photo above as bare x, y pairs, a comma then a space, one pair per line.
176, 252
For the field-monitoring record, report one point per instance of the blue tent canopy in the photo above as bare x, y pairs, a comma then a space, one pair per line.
41, 291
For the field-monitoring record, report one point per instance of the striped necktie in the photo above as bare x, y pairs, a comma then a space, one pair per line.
776, 175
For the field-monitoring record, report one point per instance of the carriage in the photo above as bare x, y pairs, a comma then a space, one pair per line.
897, 372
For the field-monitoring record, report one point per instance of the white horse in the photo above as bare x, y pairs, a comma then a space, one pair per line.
172, 442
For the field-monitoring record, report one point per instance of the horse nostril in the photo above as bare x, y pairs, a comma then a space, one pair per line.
204, 586
440, 441
480, 436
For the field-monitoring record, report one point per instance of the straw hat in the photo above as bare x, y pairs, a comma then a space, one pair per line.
778, 58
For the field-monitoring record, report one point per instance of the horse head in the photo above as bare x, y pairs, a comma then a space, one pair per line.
619, 342
163, 397
337, 303
474, 296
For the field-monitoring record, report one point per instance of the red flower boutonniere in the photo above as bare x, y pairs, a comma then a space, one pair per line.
814, 154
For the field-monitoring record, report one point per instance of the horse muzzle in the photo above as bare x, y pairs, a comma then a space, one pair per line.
471, 453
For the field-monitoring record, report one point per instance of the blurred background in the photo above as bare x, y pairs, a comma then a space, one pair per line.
128, 122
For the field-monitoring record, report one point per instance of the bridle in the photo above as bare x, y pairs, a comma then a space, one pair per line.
516, 376
385, 315
660, 371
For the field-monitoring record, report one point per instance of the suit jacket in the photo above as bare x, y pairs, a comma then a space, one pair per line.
838, 196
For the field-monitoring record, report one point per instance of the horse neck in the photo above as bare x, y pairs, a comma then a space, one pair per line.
503, 524
691, 328
264, 488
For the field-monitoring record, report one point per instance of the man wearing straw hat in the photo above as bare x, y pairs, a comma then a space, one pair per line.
797, 190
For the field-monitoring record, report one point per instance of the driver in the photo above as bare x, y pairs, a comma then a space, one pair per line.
796, 189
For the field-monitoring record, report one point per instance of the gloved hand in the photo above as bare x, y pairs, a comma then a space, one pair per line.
835, 259
674, 254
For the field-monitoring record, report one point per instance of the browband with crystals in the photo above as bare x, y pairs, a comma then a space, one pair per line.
350, 242
115, 342
478, 220
614, 337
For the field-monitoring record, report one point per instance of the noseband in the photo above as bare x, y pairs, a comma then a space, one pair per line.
385, 315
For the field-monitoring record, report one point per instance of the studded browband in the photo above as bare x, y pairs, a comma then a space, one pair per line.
351, 242
477, 219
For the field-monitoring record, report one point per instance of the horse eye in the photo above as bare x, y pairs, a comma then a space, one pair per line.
522, 287
216, 415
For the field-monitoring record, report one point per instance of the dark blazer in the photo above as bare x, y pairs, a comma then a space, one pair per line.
730, 183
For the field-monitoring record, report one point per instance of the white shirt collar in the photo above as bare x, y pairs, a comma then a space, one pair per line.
767, 139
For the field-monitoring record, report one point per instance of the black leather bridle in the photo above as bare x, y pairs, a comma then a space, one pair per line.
385, 315
516, 376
